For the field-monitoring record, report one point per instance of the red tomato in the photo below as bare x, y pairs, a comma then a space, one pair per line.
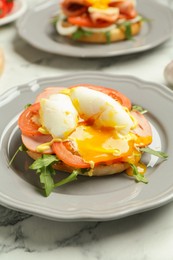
61, 149
3, 9
10, 4
84, 20
115, 94
28, 120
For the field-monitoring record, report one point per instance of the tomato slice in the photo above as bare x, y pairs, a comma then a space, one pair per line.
65, 155
10, 4
28, 120
115, 94
85, 21
3, 9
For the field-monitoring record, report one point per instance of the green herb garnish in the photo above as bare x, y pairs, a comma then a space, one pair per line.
139, 109
21, 148
128, 30
108, 36
159, 154
80, 33
26, 106
144, 19
54, 20
43, 167
44, 161
70, 178
137, 175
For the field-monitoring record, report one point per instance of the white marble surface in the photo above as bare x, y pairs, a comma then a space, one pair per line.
145, 236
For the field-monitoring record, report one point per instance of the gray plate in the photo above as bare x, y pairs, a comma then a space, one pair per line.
35, 27
94, 198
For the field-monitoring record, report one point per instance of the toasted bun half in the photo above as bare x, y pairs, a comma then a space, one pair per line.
100, 170
1, 61
116, 34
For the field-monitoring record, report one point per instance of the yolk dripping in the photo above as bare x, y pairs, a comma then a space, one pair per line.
101, 144
100, 4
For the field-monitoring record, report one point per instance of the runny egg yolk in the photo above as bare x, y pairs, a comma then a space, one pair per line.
100, 4
98, 127
103, 144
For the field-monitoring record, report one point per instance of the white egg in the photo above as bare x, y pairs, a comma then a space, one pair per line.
102, 108
58, 115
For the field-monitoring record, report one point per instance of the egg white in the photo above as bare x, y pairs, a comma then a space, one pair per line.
58, 115
103, 109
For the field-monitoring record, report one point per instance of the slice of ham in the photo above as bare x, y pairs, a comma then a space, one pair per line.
74, 7
31, 143
126, 8
143, 128
110, 15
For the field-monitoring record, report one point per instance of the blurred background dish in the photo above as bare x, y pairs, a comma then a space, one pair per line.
37, 29
17, 10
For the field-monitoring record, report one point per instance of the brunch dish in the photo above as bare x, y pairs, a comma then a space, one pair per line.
94, 21
10, 10
156, 29
84, 130
93, 155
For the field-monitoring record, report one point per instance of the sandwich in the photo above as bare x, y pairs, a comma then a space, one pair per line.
84, 129
98, 21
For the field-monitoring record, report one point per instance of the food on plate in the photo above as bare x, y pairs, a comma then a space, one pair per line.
98, 21
5, 7
85, 129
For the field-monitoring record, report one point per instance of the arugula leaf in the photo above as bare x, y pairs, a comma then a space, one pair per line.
159, 154
70, 178
26, 106
54, 20
79, 33
43, 161
144, 19
139, 109
47, 180
128, 31
137, 175
21, 148
108, 36
43, 167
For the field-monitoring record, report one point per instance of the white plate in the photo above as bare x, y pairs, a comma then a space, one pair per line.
18, 10
94, 198
36, 28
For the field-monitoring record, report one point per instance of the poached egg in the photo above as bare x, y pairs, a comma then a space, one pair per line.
97, 125
58, 115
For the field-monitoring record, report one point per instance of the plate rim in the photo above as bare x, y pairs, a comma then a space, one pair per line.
84, 214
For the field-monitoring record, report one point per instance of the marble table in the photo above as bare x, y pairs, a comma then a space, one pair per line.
143, 236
